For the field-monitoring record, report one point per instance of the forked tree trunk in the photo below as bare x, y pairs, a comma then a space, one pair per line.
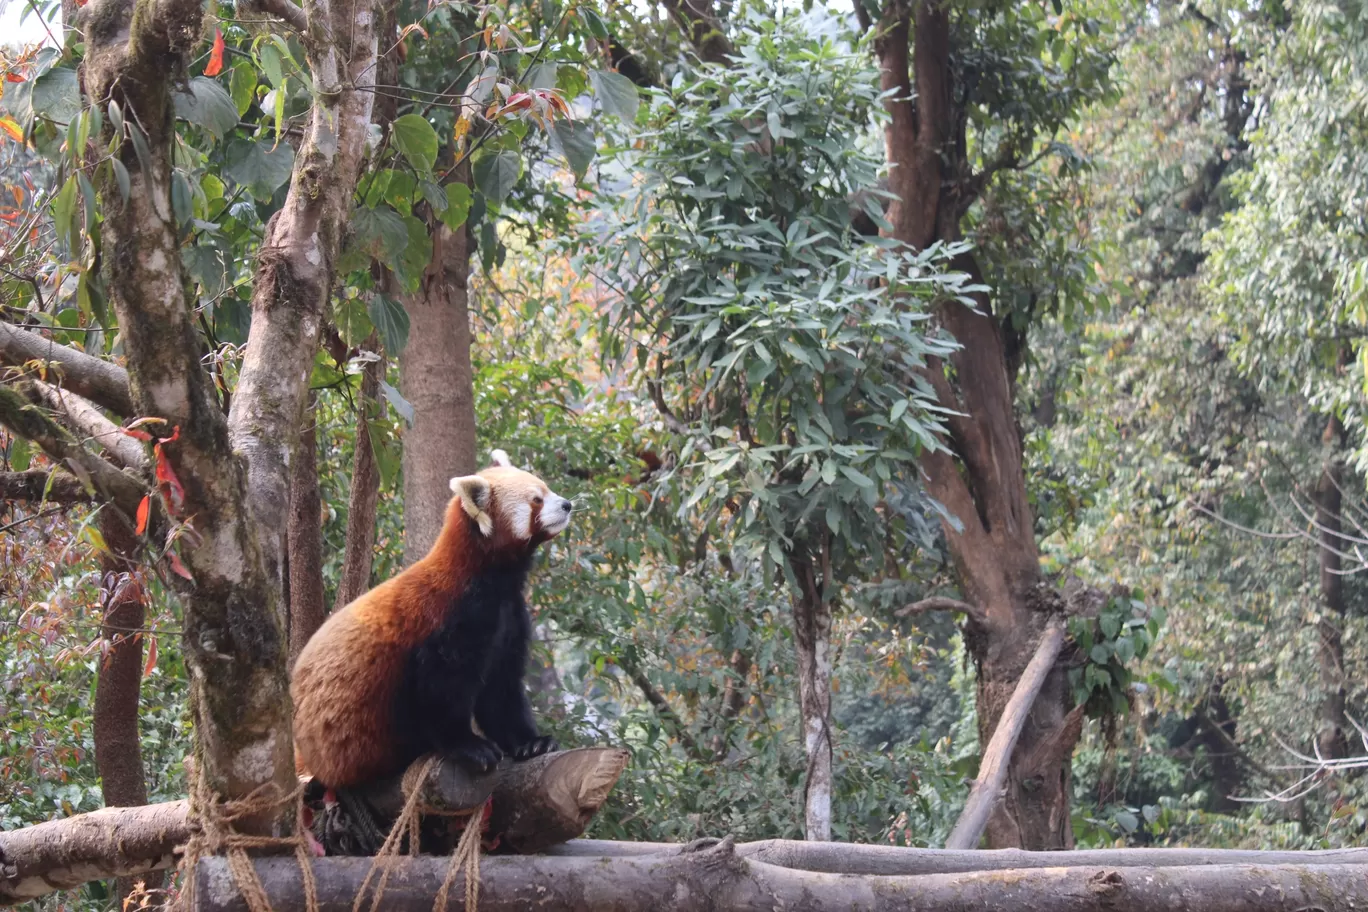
983, 483
436, 378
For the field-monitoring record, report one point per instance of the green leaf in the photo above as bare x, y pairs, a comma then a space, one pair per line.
594, 22
242, 86
616, 93
205, 104
353, 322
57, 95
381, 232
257, 167
181, 199
576, 139
857, 476
1100, 653
415, 138
400, 404
392, 322
64, 213
496, 174
20, 454
458, 205
434, 194
120, 178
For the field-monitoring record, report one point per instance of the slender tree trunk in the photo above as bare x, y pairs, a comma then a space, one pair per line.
1217, 735
359, 552
436, 377
305, 536
812, 640
118, 684
1334, 724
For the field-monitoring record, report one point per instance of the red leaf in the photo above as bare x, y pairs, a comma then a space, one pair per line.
143, 508
177, 567
151, 662
216, 55
139, 435
171, 488
15, 77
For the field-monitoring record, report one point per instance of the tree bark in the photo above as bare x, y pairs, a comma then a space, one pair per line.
305, 537
1332, 738
359, 552
118, 683
35, 485
812, 642
992, 540
716, 879
437, 380
102, 382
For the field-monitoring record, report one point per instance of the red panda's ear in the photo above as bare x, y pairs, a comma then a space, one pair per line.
474, 493
500, 458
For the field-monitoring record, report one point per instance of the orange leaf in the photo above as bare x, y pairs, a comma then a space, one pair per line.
171, 487
143, 507
151, 662
178, 567
137, 434
15, 77
12, 129
409, 29
216, 55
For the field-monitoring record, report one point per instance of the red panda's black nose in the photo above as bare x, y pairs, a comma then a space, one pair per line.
566, 506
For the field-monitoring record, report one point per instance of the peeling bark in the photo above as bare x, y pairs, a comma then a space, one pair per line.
436, 378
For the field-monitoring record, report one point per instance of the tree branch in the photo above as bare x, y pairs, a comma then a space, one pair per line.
102, 382
942, 603
33, 484
699, 21
284, 10
82, 415
987, 788
20, 415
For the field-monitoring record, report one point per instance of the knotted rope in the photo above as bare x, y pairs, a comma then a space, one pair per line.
465, 858
212, 820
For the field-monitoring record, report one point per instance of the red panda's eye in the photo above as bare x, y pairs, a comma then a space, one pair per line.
537, 501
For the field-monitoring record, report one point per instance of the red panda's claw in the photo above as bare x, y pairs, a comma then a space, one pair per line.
535, 748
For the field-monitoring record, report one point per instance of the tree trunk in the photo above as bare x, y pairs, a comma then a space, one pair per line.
305, 537
118, 684
981, 483
232, 477
812, 641
1334, 724
436, 377
359, 553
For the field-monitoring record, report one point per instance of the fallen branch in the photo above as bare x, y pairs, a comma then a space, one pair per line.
102, 382
716, 879
942, 603
113, 842
987, 787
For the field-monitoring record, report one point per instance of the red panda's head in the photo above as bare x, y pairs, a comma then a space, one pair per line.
510, 506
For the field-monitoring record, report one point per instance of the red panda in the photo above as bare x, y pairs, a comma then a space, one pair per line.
403, 670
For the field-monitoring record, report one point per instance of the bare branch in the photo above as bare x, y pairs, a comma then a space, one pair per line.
942, 603
102, 382
36, 485
290, 13
85, 417
983, 796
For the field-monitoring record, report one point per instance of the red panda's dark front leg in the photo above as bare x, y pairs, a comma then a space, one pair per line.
502, 709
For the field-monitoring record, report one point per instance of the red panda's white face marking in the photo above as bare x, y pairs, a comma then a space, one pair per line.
518, 501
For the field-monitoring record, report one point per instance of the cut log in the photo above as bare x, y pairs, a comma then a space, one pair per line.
716, 879
113, 842
846, 858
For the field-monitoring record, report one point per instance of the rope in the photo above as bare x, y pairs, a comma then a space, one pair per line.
465, 858
212, 833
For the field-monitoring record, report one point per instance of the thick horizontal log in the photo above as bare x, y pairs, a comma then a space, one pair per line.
718, 880
113, 842
846, 858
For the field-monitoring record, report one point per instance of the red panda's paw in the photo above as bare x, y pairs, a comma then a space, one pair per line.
477, 755
535, 748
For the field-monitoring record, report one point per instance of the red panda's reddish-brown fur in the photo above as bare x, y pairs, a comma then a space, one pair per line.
346, 681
